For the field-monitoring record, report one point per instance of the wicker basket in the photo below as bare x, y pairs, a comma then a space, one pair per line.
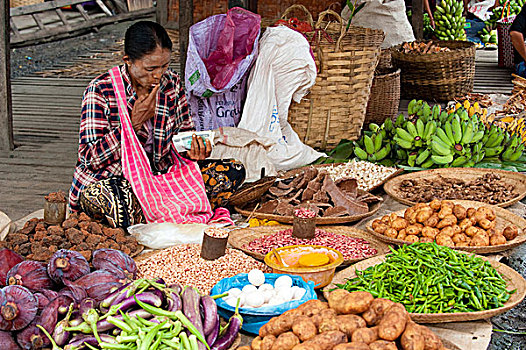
439, 76
336, 105
18, 3
505, 47
385, 96
384, 62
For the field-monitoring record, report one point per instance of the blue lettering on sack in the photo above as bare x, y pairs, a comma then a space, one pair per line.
274, 119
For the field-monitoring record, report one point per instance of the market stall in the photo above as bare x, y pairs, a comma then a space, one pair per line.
389, 241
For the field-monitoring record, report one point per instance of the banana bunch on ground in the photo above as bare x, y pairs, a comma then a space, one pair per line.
431, 137
374, 145
449, 21
515, 126
488, 35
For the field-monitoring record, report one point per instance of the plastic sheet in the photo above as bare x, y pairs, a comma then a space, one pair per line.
254, 318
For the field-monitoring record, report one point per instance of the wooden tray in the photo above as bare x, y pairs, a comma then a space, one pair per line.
504, 218
238, 238
514, 281
373, 208
392, 186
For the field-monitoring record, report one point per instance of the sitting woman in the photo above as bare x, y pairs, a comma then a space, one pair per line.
128, 170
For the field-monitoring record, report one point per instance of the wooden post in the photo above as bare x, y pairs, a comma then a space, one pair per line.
186, 19
418, 18
161, 12
6, 117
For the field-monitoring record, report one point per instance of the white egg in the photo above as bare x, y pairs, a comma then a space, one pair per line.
285, 294
234, 292
256, 277
249, 289
294, 289
283, 282
255, 299
275, 301
269, 294
299, 293
231, 301
265, 286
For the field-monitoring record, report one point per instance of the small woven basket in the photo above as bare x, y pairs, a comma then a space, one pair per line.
336, 105
385, 96
505, 47
440, 76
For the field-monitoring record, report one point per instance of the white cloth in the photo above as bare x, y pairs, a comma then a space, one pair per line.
284, 70
246, 147
387, 15
6, 225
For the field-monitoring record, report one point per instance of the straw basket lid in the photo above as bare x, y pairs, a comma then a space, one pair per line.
504, 218
239, 238
392, 187
514, 281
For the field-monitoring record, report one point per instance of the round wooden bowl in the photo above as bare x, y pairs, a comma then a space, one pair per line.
373, 208
392, 187
238, 238
504, 218
514, 281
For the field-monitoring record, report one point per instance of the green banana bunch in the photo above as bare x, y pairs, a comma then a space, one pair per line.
514, 149
449, 20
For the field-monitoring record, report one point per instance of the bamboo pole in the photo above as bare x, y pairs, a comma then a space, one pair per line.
6, 116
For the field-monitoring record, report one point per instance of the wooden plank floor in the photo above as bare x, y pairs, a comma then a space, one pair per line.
46, 122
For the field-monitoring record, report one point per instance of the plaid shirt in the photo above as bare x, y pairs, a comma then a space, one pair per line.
100, 129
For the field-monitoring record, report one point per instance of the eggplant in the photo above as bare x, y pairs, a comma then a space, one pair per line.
8, 259
111, 258
146, 297
212, 337
7, 341
209, 308
118, 295
176, 288
104, 325
230, 334
67, 264
18, 308
91, 340
173, 301
60, 335
77, 293
30, 274
190, 298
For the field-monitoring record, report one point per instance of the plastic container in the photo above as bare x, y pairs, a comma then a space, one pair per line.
321, 276
255, 318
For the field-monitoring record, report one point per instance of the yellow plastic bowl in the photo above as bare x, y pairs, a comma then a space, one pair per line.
321, 275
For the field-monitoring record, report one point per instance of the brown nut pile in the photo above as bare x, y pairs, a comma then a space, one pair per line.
422, 47
39, 241
489, 188
446, 223
349, 321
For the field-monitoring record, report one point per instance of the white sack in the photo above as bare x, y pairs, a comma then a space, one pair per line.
247, 147
284, 70
387, 15
6, 225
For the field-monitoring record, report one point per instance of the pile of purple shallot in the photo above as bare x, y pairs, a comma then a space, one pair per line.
37, 298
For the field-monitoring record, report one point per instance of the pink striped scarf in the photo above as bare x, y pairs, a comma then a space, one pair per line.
179, 195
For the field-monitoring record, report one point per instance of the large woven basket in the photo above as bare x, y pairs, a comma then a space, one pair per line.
439, 76
336, 105
17, 3
385, 96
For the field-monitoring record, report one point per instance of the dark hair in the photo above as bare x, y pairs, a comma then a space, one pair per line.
143, 37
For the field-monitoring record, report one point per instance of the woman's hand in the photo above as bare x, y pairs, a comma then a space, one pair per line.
144, 108
199, 150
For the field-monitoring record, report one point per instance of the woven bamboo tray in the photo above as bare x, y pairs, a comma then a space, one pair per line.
392, 186
238, 238
504, 218
252, 191
514, 281
319, 220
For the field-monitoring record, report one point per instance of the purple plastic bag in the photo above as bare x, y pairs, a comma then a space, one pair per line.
221, 51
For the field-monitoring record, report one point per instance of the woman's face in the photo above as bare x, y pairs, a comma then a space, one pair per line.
147, 71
